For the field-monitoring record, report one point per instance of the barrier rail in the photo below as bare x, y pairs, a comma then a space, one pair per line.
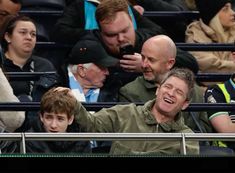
200, 77
196, 107
23, 76
162, 14
182, 137
183, 46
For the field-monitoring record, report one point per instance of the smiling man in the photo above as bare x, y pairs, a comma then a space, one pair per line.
161, 115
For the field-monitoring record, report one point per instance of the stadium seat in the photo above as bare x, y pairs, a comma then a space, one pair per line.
50, 4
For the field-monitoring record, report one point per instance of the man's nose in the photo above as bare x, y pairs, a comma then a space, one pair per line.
121, 37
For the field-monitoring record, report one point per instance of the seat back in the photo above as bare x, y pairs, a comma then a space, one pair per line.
53, 4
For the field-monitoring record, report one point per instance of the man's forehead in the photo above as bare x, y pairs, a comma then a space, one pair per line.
173, 79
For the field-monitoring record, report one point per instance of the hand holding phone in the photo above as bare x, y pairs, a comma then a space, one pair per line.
126, 49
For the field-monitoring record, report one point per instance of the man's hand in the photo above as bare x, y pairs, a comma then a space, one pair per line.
132, 63
64, 89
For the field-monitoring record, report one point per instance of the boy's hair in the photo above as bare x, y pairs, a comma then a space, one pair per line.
58, 102
107, 9
184, 74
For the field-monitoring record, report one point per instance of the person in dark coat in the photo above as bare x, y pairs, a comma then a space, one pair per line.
116, 29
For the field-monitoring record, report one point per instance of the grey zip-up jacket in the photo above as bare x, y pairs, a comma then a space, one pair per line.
135, 119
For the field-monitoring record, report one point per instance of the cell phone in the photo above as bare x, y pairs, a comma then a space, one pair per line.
126, 49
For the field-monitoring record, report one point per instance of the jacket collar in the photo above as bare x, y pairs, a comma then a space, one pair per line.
148, 84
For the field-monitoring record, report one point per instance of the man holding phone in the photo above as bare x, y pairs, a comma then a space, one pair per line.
116, 28
129, 60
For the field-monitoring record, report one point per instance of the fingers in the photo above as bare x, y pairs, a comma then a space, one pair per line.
58, 89
131, 63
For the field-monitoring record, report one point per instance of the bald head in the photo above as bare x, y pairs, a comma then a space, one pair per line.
162, 43
159, 53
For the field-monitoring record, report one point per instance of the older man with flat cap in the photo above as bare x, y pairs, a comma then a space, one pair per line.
86, 72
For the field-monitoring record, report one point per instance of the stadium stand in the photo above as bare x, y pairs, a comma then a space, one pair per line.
198, 164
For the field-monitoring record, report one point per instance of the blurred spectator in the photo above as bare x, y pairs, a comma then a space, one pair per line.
217, 25
79, 18
57, 110
158, 56
8, 7
174, 27
222, 121
156, 116
18, 40
9, 121
191, 5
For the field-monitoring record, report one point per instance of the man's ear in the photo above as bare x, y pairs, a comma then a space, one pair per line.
41, 117
156, 91
185, 105
71, 120
170, 63
81, 70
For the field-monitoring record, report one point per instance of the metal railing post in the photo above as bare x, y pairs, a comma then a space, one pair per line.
183, 145
22, 144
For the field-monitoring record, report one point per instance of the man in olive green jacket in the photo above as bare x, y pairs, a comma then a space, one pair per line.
156, 116
158, 58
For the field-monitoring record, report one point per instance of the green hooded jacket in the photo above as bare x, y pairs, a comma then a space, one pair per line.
135, 119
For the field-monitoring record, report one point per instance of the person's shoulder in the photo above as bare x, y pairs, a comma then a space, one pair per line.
43, 63
214, 94
137, 81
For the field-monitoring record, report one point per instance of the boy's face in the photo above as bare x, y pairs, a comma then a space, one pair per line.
56, 123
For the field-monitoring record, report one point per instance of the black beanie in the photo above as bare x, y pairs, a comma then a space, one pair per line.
209, 8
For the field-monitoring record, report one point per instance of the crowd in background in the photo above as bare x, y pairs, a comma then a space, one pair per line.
116, 54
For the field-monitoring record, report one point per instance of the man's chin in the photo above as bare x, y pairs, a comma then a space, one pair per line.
148, 78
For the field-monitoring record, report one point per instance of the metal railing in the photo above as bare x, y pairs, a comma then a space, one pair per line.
183, 46
162, 14
182, 137
24, 76
200, 77
34, 106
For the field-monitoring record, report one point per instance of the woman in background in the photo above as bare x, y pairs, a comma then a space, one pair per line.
216, 25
